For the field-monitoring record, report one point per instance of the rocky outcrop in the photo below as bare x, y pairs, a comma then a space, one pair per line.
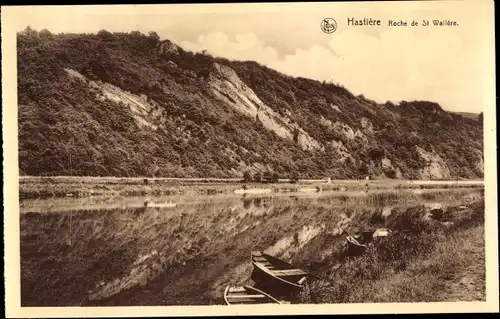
341, 150
139, 105
435, 167
366, 124
228, 87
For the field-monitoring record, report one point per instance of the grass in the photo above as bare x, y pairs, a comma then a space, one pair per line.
424, 262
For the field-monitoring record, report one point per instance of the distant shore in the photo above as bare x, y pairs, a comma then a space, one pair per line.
31, 187
234, 180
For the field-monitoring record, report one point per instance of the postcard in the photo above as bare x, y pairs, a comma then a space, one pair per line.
249, 159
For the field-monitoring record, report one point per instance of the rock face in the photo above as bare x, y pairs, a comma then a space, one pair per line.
228, 87
366, 124
138, 105
130, 105
435, 166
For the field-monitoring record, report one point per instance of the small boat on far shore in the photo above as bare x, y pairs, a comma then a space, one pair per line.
247, 295
168, 204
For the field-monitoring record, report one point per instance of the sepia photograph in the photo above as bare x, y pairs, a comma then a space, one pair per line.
309, 158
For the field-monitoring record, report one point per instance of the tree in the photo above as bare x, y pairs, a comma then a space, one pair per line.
296, 135
363, 169
28, 31
376, 153
480, 117
294, 177
389, 104
275, 177
267, 177
154, 35
390, 172
45, 34
157, 87
257, 177
247, 177
136, 34
105, 35
203, 72
270, 177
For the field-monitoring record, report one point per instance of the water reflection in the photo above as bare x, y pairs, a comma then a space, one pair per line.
290, 245
163, 202
247, 202
257, 202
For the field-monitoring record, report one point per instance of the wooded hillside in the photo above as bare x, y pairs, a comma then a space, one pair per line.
129, 104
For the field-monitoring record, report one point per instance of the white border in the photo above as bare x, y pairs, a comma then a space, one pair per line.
11, 197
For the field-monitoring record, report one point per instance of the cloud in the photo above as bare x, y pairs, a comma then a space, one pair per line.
245, 47
397, 65
443, 64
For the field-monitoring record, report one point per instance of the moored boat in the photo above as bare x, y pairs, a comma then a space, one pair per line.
274, 272
247, 295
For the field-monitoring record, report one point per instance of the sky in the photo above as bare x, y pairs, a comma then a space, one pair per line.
441, 64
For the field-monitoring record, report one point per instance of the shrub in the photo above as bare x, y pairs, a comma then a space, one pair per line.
247, 177
257, 178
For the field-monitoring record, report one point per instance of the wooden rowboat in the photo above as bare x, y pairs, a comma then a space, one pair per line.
282, 273
247, 295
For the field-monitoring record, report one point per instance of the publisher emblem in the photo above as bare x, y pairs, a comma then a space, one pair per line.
328, 25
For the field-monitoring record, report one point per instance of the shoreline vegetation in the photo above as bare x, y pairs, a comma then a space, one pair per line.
434, 262
44, 187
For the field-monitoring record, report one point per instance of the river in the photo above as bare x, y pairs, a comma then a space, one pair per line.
182, 250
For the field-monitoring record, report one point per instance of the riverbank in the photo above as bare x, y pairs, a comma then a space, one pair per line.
31, 187
430, 261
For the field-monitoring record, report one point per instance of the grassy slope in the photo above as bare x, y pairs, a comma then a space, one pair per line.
65, 130
431, 262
